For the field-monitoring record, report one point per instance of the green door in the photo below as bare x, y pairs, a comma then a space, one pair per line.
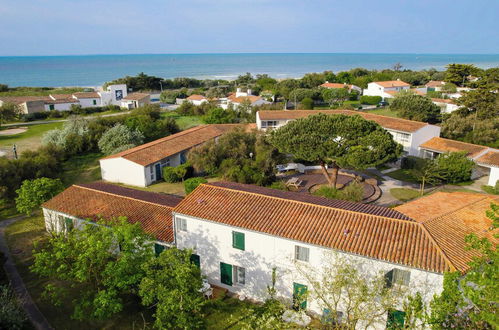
196, 260
226, 273
395, 320
158, 248
299, 296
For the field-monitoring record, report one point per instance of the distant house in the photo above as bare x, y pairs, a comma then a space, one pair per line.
435, 85
383, 88
329, 85
235, 99
410, 134
142, 165
87, 203
88, 99
197, 99
447, 105
135, 100
26, 104
486, 158
60, 102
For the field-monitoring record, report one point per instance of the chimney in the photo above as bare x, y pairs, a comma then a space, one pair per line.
238, 90
248, 92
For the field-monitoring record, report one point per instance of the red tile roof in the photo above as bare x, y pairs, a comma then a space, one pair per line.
435, 83
449, 218
102, 200
397, 124
489, 158
385, 237
160, 149
136, 96
22, 99
251, 98
449, 101
336, 85
392, 83
196, 97
446, 145
87, 95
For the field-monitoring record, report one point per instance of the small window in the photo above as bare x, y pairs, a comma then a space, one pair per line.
68, 224
95, 102
182, 224
239, 275
158, 248
397, 276
196, 260
301, 253
238, 240
51, 107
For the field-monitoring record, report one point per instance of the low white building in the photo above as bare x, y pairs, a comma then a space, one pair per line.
239, 97
142, 165
240, 233
88, 99
350, 88
382, 88
196, 99
447, 105
486, 158
113, 94
435, 85
86, 203
135, 100
410, 134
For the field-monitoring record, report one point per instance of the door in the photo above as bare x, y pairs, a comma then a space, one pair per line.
158, 171
226, 273
299, 296
196, 260
158, 248
183, 157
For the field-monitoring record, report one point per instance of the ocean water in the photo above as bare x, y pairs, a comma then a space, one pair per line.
94, 70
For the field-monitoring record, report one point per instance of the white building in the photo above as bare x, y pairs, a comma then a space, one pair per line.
435, 85
410, 134
113, 94
486, 158
88, 99
381, 88
239, 97
240, 233
350, 88
142, 165
447, 105
80, 204
135, 100
197, 99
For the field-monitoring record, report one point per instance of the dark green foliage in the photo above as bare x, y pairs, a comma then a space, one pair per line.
457, 73
220, 116
371, 100
8, 111
352, 192
335, 96
493, 190
11, 314
307, 104
412, 162
35, 192
416, 107
176, 174
192, 183
455, 167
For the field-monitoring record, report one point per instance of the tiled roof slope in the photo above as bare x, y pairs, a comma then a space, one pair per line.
382, 237
397, 124
102, 200
392, 83
447, 145
159, 149
489, 158
87, 95
457, 215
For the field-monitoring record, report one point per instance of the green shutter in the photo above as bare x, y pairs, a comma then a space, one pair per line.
95, 102
395, 320
238, 240
299, 296
68, 224
51, 107
158, 248
389, 279
196, 260
226, 273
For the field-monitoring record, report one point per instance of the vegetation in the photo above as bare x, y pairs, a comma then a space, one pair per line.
35, 192
494, 190
404, 194
37, 91
219, 116
8, 111
119, 138
352, 192
416, 107
336, 140
11, 314
193, 183
178, 173
372, 100
455, 167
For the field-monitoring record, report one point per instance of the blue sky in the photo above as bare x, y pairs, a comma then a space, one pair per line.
59, 27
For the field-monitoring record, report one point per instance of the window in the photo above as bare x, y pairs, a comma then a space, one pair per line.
239, 275
94, 102
226, 273
301, 253
51, 107
395, 320
401, 137
238, 240
158, 248
165, 162
397, 276
182, 224
269, 123
151, 172
299, 296
68, 224
196, 260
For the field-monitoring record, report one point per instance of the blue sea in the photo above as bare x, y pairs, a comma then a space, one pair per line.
94, 70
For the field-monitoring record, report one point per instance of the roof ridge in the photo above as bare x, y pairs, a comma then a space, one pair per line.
308, 203
486, 196
461, 142
128, 197
439, 249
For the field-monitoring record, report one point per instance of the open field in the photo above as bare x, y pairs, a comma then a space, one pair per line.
184, 122
29, 140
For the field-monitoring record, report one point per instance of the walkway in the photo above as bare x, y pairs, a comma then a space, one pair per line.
34, 315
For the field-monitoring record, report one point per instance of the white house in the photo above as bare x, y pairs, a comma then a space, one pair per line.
88, 99
435, 85
382, 88
447, 105
60, 102
197, 99
486, 158
240, 233
142, 165
135, 100
26, 104
329, 85
113, 94
239, 97
410, 134
84, 203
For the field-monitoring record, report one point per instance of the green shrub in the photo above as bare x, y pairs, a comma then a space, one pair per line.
493, 190
279, 185
455, 166
192, 183
372, 100
178, 173
352, 192
307, 103
412, 162
11, 314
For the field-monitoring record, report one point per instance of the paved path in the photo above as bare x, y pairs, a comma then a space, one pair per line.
34, 315
37, 122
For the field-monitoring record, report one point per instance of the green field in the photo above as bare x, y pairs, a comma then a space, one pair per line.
184, 122
384, 112
40, 91
29, 140
404, 194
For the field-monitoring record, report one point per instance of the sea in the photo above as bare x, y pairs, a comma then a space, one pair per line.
94, 70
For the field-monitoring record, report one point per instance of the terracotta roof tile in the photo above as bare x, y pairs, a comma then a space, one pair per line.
489, 158
22, 99
448, 101
446, 145
159, 149
196, 97
102, 200
241, 99
387, 238
60, 97
336, 85
450, 217
392, 83
435, 83
135, 96
397, 124
87, 95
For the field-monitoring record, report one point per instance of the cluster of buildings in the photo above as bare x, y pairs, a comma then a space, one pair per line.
233, 99
114, 95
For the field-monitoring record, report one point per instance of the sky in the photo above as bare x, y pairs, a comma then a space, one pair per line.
71, 27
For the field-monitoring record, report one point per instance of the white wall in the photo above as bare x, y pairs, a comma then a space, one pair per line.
493, 176
212, 241
421, 136
60, 106
89, 103
121, 170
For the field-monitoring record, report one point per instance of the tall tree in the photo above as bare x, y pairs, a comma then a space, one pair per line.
337, 141
35, 192
335, 96
416, 107
8, 111
457, 73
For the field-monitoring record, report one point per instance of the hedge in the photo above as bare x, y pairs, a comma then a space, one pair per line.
372, 100
192, 183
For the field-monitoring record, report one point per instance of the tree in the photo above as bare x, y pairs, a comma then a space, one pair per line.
335, 96
34, 193
337, 140
193, 183
455, 167
457, 73
73, 137
428, 173
307, 103
219, 116
472, 130
8, 111
483, 103
119, 138
103, 260
171, 284
416, 107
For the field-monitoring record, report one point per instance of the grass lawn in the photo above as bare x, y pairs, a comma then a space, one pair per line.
82, 169
403, 175
169, 188
29, 140
8, 210
184, 122
384, 112
404, 194
40, 91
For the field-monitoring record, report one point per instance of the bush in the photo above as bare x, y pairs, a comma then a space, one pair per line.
371, 100
11, 314
352, 192
455, 166
35, 116
493, 190
192, 183
119, 138
178, 173
412, 162
307, 103
279, 185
